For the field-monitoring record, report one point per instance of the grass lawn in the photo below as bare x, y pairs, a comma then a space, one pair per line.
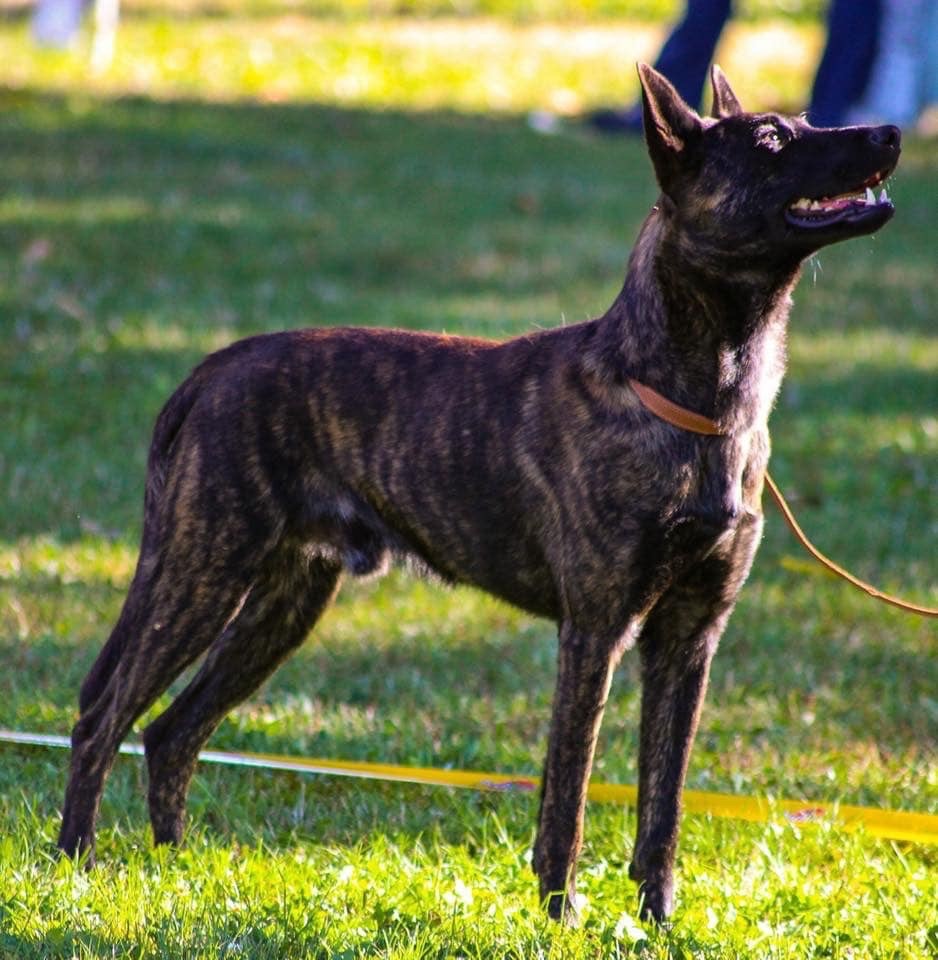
269, 169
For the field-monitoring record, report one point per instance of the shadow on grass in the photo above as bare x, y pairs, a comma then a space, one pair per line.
145, 233
473, 698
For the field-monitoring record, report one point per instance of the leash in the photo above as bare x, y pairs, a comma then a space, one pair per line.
679, 416
888, 824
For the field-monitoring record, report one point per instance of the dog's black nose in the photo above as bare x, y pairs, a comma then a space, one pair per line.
886, 136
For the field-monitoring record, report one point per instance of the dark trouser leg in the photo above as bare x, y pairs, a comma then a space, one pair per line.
847, 61
687, 53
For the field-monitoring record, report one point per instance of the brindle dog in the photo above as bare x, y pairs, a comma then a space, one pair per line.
528, 468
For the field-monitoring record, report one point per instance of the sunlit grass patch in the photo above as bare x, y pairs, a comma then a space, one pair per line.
477, 64
88, 561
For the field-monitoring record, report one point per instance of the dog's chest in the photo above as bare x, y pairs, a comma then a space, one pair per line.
680, 506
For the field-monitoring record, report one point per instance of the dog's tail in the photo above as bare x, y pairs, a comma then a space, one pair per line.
165, 432
133, 613
172, 417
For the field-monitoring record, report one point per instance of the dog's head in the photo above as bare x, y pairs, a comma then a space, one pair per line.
759, 186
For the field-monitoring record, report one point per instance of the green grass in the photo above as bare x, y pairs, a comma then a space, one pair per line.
277, 55
514, 11
143, 222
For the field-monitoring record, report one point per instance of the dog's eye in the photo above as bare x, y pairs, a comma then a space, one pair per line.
771, 137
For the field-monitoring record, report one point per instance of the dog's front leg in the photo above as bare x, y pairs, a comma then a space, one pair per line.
674, 683
585, 667
676, 646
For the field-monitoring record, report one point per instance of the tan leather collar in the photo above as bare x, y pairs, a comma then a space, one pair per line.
673, 413
679, 416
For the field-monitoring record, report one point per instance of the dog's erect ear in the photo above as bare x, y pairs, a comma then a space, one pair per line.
725, 103
671, 126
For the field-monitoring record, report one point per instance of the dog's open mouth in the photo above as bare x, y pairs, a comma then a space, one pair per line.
853, 206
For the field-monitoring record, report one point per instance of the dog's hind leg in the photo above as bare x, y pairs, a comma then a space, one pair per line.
584, 674
131, 620
676, 646
171, 615
284, 602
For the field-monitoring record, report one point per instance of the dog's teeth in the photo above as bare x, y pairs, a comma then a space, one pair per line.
870, 196
883, 196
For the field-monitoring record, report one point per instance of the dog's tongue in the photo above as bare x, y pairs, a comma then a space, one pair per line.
838, 203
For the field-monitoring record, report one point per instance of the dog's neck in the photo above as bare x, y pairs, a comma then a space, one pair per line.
710, 340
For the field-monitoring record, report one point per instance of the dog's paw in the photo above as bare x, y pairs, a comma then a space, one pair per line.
563, 907
79, 849
655, 891
656, 900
